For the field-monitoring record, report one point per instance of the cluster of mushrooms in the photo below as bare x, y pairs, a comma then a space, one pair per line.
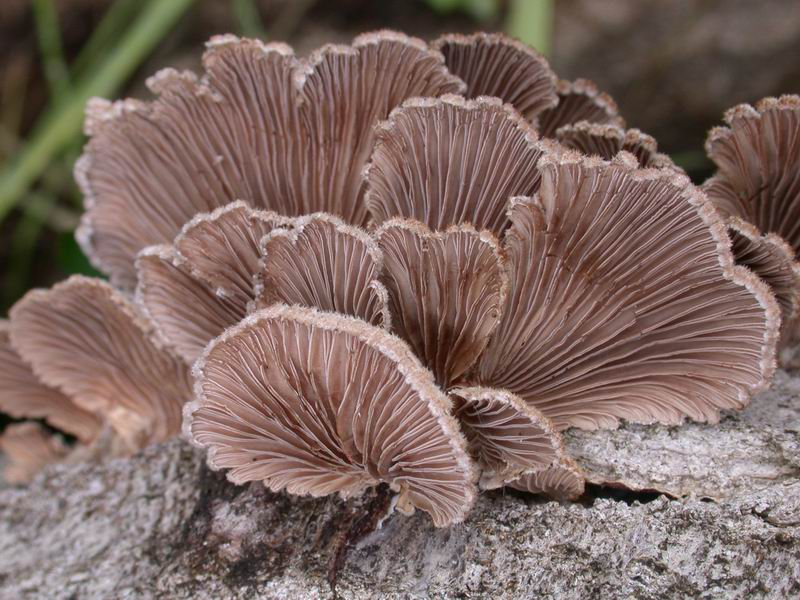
401, 263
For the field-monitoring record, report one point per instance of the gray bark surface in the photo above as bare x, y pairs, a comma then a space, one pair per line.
161, 525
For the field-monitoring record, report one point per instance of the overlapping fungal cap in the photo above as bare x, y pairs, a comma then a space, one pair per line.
285, 134
579, 100
90, 342
607, 140
29, 448
23, 396
758, 182
317, 403
624, 301
506, 436
563, 480
492, 64
446, 291
449, 160
194, 289
321, 262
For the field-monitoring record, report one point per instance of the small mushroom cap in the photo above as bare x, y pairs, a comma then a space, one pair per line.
326, 264
283, 133
773, 260
448, 161
29, 448
202, 284
758, 161
89, 341
506, 437
446, 291
563, 480
23, 396
317, 403
492, 64
579, 100
607, 140
624, 301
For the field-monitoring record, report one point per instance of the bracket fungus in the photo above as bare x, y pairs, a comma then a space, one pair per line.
317, 403
28, 448
579, 100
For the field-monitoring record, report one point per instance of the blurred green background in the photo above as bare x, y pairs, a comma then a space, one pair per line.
673, 65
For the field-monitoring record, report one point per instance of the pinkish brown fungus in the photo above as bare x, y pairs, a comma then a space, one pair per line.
285, 134
29, 448
563, 480
579, 100
492, 64
90, 342
317, 403
624, 301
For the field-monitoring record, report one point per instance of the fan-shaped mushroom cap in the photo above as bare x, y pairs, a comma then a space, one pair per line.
579, 100
323, 263
449, 160
773, 260
29, 449
505, 435
492, 64
446, 291
202, 284
90, 342
758, 161
624, 301
22, 395
563, 480
317, 403
607, 140
285, 134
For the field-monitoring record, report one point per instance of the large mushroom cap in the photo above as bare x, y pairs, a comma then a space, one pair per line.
492, 64
23, 395
29, 448
317, 403
449, 161
579, 100
323, 263
90, 342
446, 291
283, 133
624, 301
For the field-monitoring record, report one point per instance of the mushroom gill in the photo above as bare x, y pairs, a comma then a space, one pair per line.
492, 64
29, 448
90, 342
317, 403
323, 263
449, 161
624, 301
579, 100
23, 396
563, 480
285, 134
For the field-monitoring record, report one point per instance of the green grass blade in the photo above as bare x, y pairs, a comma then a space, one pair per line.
531, 21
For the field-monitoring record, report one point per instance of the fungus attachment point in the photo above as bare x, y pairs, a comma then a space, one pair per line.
317, 403
87, 340
29, 448
323, 263
450, 161
579, 100
446, 291
563, 480
492, 64
624, 302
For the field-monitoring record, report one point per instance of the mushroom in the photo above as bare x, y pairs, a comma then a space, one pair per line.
321, 262
195, 288
492, 64
563, 480
579, 100
624, 301
29, 448
317, 403
23, 396
758, 182
285, 134
449, 160
607, 140
90, 342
